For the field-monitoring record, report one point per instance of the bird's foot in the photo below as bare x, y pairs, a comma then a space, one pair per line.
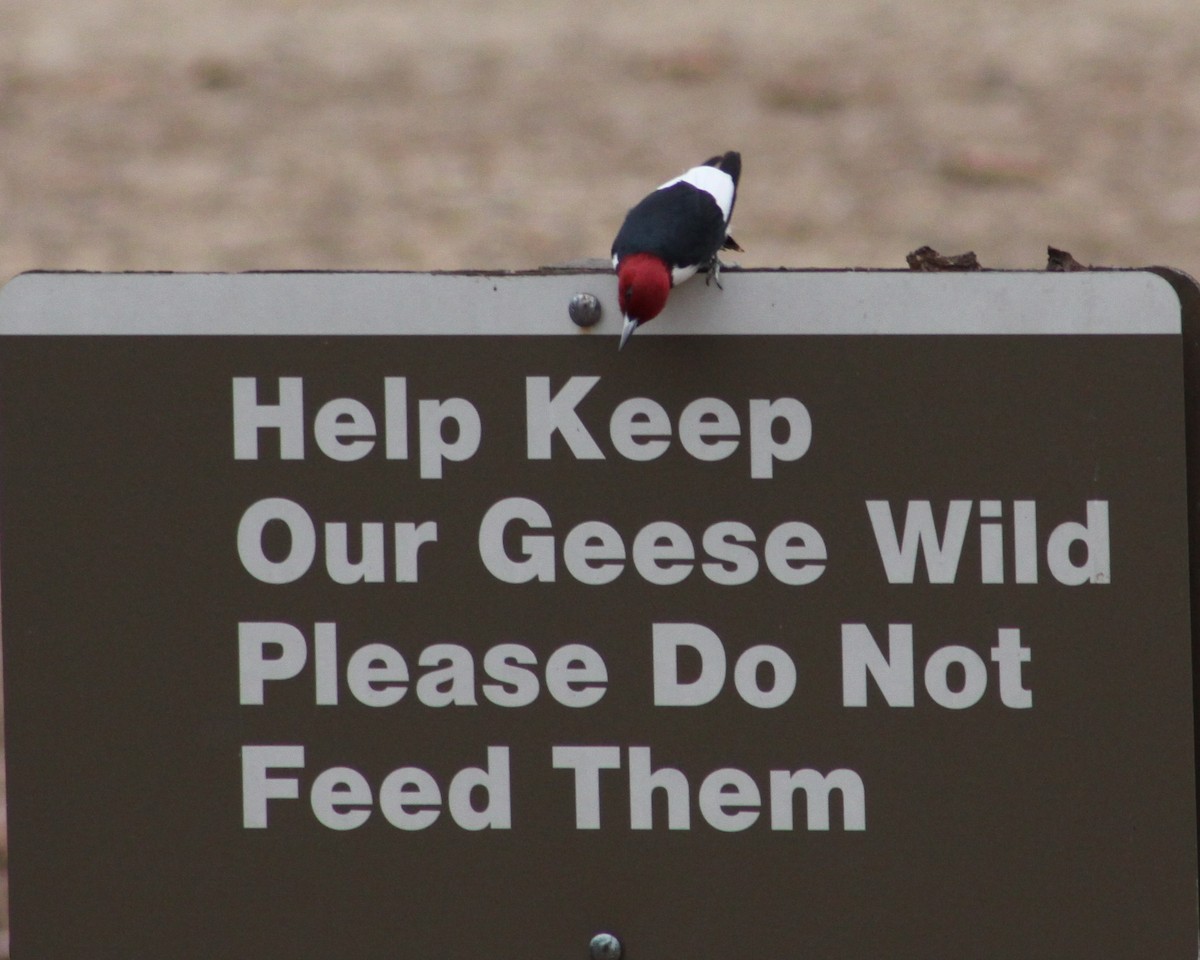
714, 273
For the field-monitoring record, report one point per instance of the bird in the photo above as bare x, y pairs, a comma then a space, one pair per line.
676, 230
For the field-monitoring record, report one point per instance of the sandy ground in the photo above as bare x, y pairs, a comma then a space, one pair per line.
157, 134
257, 134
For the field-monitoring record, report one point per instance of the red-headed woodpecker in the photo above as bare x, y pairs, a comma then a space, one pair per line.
678, 229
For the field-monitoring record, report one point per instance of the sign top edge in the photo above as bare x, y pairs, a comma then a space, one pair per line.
500, 303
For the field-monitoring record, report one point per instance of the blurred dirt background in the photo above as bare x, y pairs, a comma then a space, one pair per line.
250, 134
258, 134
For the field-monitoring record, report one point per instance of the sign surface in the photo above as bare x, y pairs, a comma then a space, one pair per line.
839, 615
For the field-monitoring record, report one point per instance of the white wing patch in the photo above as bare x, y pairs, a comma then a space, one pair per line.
679, 274
712, 181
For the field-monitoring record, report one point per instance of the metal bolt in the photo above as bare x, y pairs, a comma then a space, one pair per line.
605, 946
584, 310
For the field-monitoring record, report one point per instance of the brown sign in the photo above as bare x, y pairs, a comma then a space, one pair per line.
840, 615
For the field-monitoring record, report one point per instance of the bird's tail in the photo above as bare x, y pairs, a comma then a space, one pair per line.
730, 162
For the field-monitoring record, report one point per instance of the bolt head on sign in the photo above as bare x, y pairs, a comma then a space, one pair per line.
585, 310
849, 612
605, 946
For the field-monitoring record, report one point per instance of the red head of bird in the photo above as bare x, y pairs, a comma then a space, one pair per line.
643, 282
